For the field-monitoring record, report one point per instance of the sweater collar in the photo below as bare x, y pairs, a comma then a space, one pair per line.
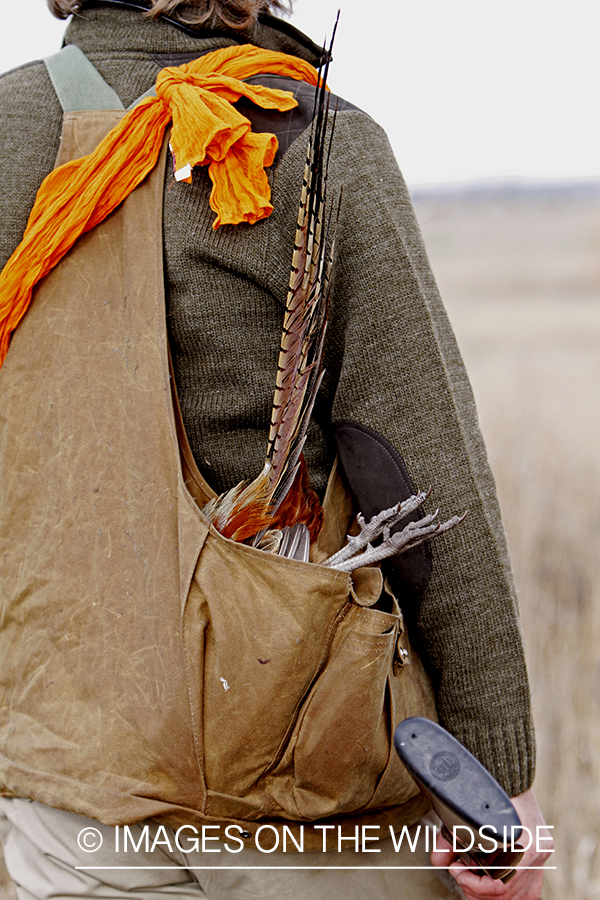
101, 28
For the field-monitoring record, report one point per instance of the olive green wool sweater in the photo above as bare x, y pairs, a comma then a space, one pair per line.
391, 359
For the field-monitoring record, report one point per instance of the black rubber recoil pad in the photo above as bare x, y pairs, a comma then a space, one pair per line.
451, 775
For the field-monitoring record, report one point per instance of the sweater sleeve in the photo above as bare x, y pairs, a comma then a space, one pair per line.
398, 370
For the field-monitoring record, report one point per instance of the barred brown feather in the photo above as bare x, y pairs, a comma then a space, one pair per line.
281, 494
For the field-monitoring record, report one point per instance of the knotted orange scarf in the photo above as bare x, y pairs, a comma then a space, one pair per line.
207, 130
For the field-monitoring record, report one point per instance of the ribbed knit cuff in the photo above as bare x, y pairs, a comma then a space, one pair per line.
507, 751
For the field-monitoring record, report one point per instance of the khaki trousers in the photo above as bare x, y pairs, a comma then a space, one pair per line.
44, 857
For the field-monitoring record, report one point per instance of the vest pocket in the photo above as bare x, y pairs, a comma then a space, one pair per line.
290, 680
257, 630
342, 741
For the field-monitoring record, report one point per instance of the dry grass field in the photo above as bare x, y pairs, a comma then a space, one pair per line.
520, 273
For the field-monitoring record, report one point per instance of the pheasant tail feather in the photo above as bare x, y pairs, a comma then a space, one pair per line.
281, 494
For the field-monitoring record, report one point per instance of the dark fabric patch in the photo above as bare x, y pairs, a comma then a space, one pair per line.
379, 479
286, 126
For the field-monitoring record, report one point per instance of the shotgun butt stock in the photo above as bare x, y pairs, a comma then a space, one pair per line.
478, 818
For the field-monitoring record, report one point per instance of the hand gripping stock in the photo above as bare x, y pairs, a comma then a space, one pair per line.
475, 812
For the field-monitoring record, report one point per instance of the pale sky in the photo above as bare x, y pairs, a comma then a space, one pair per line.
464, 88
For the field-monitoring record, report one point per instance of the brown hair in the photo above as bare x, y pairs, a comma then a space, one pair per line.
235, 13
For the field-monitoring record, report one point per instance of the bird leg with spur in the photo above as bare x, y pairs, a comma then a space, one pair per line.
358, 550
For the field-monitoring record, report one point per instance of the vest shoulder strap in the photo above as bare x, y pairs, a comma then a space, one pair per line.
78, 84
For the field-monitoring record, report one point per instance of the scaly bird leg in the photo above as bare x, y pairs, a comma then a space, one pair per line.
350, 557
414, 533
377, 526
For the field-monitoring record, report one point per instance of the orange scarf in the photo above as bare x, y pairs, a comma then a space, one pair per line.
207, 130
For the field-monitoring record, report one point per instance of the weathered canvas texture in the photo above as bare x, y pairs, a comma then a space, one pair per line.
149, 666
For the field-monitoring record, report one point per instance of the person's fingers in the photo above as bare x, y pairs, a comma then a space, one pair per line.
525, 885
443, 855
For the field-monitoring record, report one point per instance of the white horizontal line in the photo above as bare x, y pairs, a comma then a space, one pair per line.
296, 868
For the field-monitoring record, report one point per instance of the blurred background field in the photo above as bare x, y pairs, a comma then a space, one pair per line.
519, 268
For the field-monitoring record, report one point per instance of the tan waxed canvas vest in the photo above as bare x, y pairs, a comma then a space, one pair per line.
149, 666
